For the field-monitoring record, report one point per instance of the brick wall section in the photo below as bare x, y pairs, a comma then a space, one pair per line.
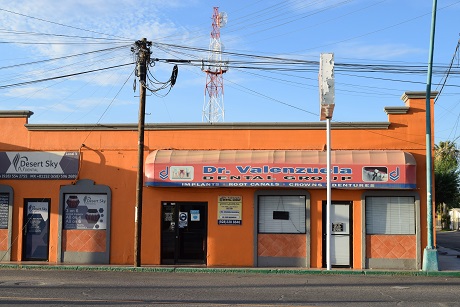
282, 245
83, 240
391, 246
3, 239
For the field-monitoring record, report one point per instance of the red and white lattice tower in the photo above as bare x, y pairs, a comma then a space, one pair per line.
213, 108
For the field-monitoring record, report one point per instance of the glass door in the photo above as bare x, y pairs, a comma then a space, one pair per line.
36, 229
183, 233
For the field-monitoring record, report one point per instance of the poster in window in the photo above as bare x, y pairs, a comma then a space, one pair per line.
4, 210
85, 211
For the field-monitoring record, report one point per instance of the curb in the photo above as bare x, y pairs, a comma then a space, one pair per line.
225, 270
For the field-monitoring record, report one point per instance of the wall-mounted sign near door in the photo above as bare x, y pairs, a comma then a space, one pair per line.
229, 210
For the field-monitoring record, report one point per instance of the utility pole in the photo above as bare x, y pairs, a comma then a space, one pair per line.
143, 59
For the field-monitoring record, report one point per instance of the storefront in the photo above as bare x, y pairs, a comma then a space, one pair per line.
221, 195
278, 187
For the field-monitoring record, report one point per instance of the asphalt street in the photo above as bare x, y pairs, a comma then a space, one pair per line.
448, 239
109, 288
54, 285
57, 286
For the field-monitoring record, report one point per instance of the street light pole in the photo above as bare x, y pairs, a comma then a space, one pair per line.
327, 103
430, 254
329, 193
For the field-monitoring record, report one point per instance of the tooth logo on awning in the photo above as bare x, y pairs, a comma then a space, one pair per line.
164, 173
394, 175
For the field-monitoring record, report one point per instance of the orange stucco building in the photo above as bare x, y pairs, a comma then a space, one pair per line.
225, 194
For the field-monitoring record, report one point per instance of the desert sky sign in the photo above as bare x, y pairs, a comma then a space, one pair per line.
39, 165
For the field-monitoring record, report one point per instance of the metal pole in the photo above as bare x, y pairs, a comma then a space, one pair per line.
430, 254
143, 56
328, 204
327, 94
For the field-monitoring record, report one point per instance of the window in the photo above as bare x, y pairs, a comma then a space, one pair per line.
390, 215
282, 214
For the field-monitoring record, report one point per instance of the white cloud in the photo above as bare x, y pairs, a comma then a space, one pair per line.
297, 5
34, 92
376, 51
127, 20
124, 20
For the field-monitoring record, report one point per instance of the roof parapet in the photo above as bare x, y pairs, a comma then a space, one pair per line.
396, 110
15, 113
417, 95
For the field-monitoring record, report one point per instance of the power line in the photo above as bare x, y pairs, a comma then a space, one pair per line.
448, 71
55, 35
61, 24
62, 58
286, 65
292, 61
62, 76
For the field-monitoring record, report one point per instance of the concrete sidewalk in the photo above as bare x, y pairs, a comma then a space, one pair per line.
448, 264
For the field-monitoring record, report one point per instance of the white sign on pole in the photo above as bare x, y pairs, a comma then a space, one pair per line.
326, 85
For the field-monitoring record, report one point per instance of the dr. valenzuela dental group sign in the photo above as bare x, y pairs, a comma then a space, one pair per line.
39, 165
346, 176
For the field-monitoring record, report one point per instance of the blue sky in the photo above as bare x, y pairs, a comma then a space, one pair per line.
46, 39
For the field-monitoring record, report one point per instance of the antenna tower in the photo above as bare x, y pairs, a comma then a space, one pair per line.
213, 108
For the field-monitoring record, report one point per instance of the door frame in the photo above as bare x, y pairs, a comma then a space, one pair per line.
323, 227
